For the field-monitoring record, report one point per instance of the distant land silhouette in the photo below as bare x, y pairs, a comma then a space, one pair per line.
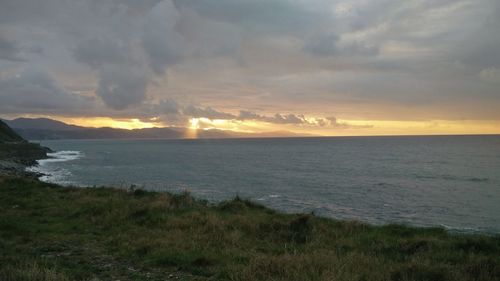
49, 129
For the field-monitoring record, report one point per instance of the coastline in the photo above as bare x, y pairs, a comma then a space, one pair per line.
50, 177
108, 234
53, 232
16, 158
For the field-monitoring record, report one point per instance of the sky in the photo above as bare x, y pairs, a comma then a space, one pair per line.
318, 67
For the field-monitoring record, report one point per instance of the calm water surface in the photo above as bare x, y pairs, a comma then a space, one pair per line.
449, 181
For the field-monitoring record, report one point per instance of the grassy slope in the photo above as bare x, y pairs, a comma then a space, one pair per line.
49, 232
7, 134
14, 148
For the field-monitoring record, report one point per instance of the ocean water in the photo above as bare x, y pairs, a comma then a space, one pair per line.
448, 181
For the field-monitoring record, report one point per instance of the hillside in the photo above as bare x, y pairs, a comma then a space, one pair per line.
16, 153
49, 232
7, 134
40, 124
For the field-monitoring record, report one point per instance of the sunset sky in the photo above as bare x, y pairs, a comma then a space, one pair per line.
321, 67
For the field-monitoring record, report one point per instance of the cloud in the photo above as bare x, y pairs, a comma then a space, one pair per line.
122, 81
207, 112
323, 46
333, 122
121, 87
9, 50
36, 91
332, 45
172, 113
248, 115
170, 109
362, 59
169, 106
300, 119
160, 38
260, 16
97, 52
162, 43
491, 74
276, 119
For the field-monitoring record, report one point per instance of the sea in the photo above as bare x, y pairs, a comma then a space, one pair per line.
429, 181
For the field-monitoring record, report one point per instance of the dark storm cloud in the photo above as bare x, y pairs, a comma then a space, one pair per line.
121, 83
36, 91
97, 52
261, 16
482, 49
9, 50
324, 46
120, 87
162, 44
330, 45
130, 53
168, 106
105, 35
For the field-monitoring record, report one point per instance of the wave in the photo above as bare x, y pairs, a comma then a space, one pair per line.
478, 179
465, 230
52, 173
61, 156
453, 178
268, 197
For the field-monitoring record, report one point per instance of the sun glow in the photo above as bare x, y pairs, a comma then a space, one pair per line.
97, 122
194, 123
343, 127
246, 126
346, 127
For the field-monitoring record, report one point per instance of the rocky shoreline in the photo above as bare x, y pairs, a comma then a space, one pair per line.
16, 153
16, 157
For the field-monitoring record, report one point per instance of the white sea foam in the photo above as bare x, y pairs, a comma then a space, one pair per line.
267, 197
54, 173
464, 229
61, 156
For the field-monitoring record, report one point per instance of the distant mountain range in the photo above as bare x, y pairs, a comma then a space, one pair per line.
48, 129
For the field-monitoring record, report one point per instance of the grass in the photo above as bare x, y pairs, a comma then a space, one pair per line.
48, 232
